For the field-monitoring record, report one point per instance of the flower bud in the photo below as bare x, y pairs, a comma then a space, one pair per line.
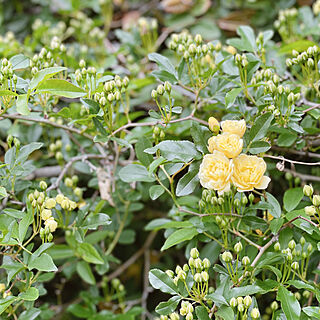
178, 269
308, 190
297, 295
244, 200
185, 267
291, 244
191, 262
295, 265
174, 316
245, 261
189, 316
306, 294
274, 306
182, 275
233, 302
316, 200
160, 90
205, 276
289, 62
197, 277
30, 197
214, 125
198, 39
255, 314
310, 210
167, 86
227, 256
34, 203
309, 248
302, 241
238, 247
291, 97
170, 273
206, 263
198, 263
310, 63
68, 182
247, 301
154, 94
277, 246
163, 317
194, 253
251, 197
240, 307
65, 204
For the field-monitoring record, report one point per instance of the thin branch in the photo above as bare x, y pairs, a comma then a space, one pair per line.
303, 177
299, 217
245, 238
210, 214
133, 258
297, 152
281, 158
47, 122
154, 123
69, 164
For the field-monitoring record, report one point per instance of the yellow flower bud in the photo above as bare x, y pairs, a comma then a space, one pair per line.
214, 125
59, 198
46, 214
51, 224
50, 203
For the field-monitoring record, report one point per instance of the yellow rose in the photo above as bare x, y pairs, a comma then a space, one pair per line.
215, 172
248, 173
51, 224
234, 126
214, 125
229, 144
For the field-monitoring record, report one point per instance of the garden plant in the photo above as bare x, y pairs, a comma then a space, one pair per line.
160, 160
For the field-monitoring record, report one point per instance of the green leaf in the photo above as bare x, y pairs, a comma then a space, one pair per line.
312, 312
292, 198
259, 147
164, 64
260, 127
42, 263
248, 38
179, 236
61, 88
3, 192
80, 311
300, 45
142, 144
155, 192
30, 295
85, 273
217, 298
226, 313
164, 308
6, 302
286, 139
179, 150
189, 181
24, 224
200, 135
289, 304
89, 253
246, 290
30, 314
22, 104
231, 97
135, 172
95, 220
275, 209
160, 280
19, 61
202, 313
43, 75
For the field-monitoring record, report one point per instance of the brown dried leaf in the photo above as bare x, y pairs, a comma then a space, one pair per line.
176, 6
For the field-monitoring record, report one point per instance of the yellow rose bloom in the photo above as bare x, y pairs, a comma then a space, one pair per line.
234, 126
248, 173
229, 144
215, 172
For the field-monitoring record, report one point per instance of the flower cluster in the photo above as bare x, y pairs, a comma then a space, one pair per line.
314, 209
225, 165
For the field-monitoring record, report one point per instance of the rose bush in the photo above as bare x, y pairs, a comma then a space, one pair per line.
159, 162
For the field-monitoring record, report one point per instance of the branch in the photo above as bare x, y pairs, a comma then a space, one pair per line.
210, 214
291, 161
154, 123
69, 164
296, 152
47, 122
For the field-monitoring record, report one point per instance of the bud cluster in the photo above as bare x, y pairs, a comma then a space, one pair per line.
148, 30
284, 24
200, 56
56, 147
72, 183
8, 80
241, 306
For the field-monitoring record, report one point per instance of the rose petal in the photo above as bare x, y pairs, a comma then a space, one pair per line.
263, 184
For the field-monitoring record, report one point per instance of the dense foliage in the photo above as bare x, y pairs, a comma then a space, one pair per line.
158, 160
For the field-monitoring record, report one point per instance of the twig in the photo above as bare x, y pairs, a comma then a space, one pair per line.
210, 214
133, 258
299, 217
47, 122
154, 123
281, 158
304, 177
69, 164
145, 282
296, 152
245, 238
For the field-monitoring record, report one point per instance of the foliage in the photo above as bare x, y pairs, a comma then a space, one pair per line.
191, 148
